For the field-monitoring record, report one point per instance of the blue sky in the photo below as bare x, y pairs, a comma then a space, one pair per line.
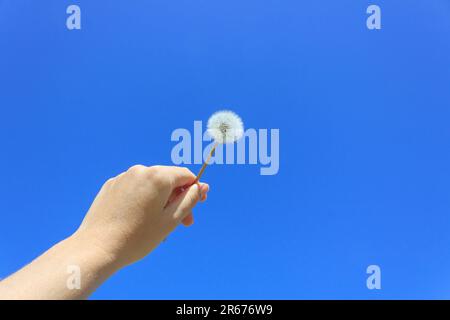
364, 139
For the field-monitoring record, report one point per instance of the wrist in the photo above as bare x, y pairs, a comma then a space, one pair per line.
89, 249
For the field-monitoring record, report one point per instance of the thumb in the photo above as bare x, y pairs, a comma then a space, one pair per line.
183, 204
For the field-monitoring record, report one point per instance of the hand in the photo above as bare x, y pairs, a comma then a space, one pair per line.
139, 208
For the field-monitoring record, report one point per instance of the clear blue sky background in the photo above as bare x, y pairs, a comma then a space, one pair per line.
364, 119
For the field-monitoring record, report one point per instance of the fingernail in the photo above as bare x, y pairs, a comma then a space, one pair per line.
204, 188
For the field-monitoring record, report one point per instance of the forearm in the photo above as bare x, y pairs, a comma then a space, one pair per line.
72, 269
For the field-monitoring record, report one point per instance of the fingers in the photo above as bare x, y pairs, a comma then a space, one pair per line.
176, 187
204, 189
188, 220
176, 176
180, 207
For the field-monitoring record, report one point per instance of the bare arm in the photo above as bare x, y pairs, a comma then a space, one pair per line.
130, 216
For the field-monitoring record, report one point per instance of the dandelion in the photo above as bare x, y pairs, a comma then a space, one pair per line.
224, 127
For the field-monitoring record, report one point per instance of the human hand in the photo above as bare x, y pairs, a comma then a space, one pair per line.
139, 208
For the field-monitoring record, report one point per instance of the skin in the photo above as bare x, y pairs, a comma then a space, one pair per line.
130, 216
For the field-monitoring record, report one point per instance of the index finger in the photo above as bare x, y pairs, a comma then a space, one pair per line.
178, 176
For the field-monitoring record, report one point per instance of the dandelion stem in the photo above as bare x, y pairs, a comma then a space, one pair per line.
197, 179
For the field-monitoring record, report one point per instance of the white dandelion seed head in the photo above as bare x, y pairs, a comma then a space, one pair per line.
225, 127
